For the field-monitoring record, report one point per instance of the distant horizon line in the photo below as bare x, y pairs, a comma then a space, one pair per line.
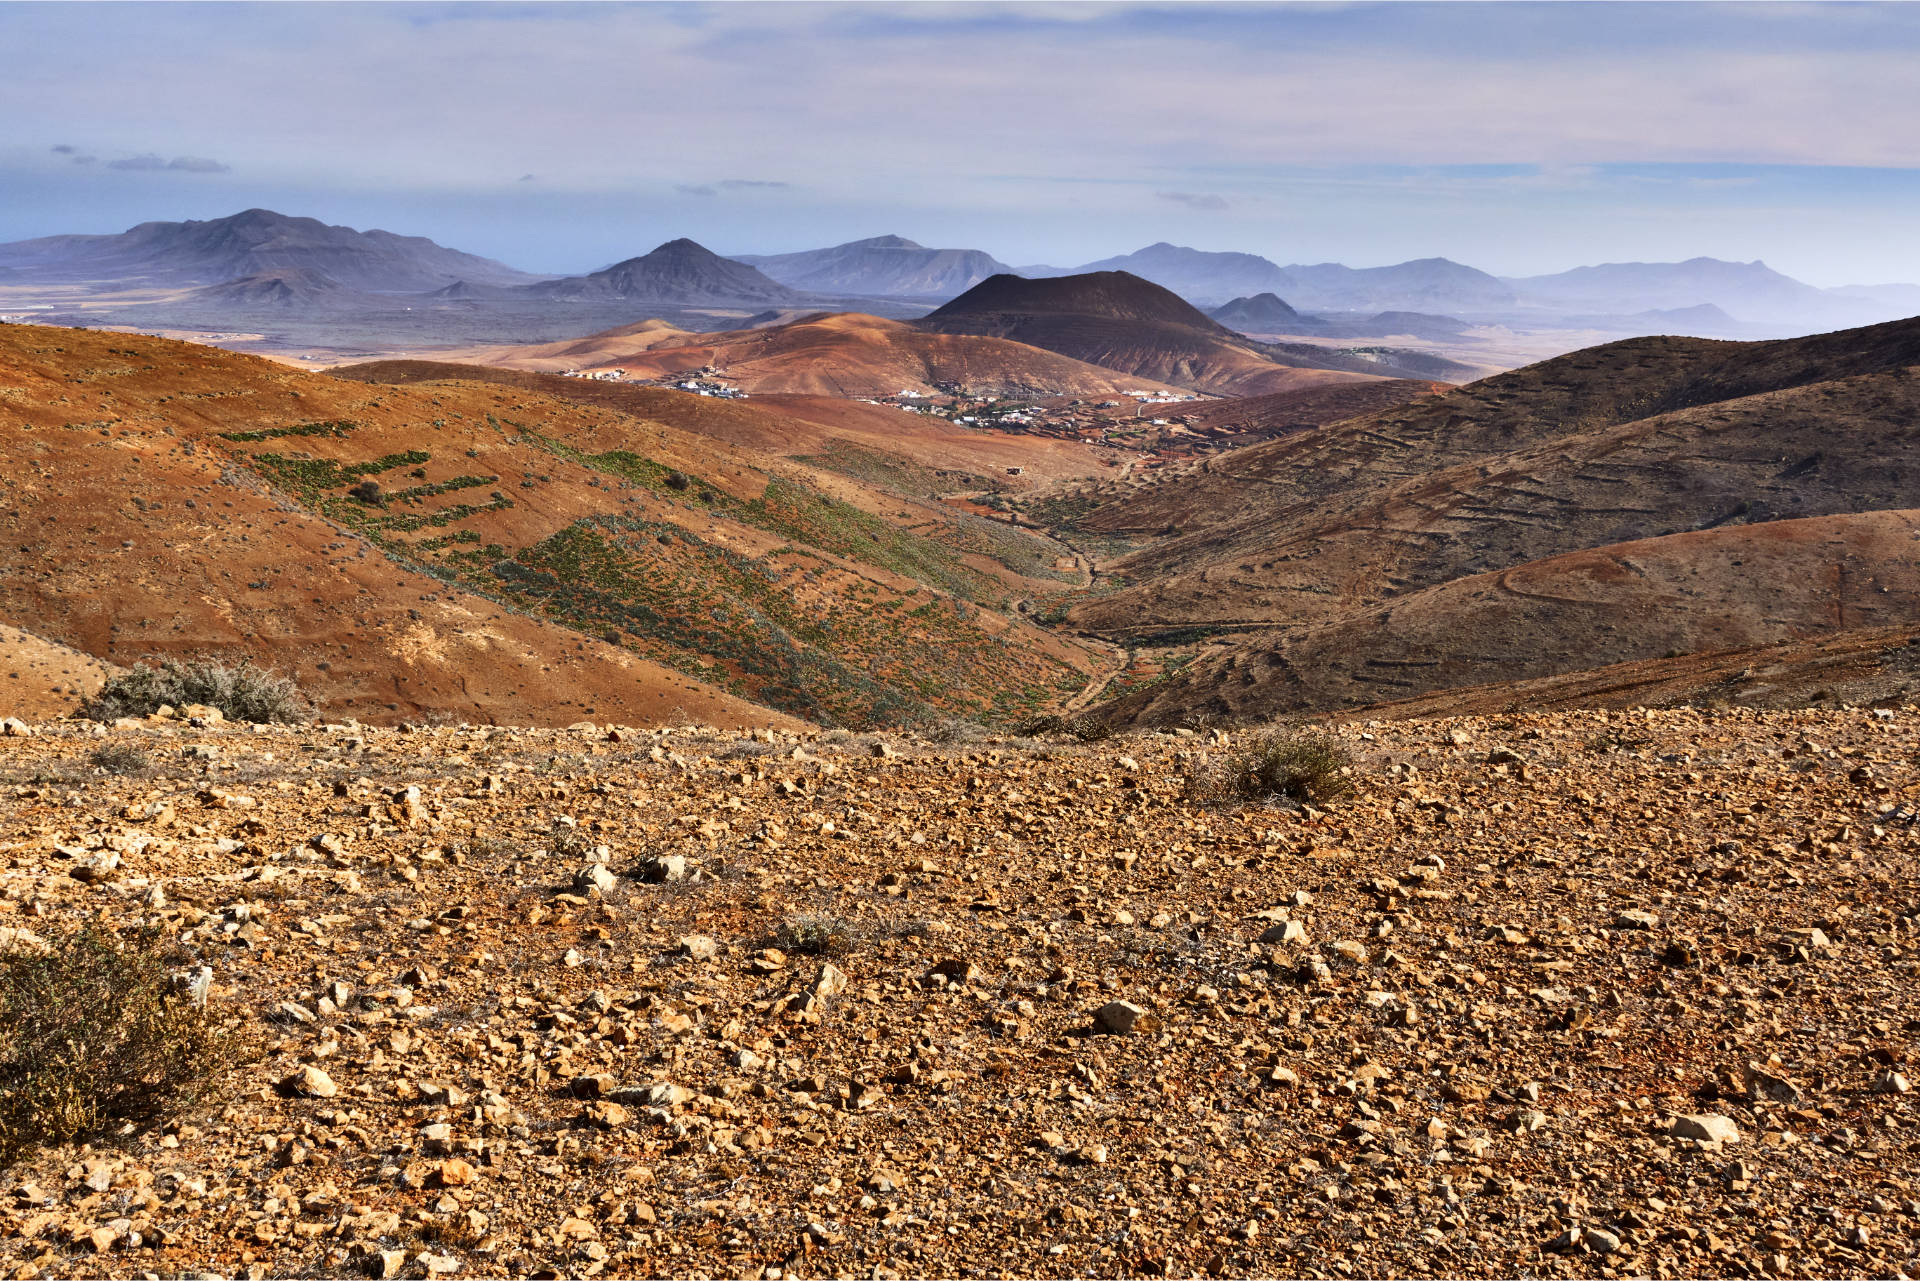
1014, 268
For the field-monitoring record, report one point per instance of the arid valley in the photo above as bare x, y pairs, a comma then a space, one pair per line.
633, 726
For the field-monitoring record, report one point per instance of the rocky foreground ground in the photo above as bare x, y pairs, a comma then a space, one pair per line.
1579, 994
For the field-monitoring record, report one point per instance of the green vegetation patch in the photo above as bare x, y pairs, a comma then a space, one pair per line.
896, 474
339, 429
387, 462
791, 630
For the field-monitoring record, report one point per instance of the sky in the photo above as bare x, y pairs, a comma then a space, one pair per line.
1518, 138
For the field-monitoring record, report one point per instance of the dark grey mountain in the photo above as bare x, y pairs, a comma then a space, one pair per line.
679, 273
296, 289
1424, 285
1198, 275
884, 266
254, 243
1260, 314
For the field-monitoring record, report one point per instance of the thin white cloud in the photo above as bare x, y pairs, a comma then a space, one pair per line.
179, 164
1204, 201
1003, 119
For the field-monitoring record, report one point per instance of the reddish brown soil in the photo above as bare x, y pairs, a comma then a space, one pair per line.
791, 426
42, 679
140, 531
846, 354
1715, 590
1871, 667
1253, 418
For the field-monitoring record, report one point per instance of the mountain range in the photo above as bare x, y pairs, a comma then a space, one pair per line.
415, 538
256, 242
1626, 297
1750, 291
826, 354
1270, 314
294, 265
884, 266
1094, 335
679, 273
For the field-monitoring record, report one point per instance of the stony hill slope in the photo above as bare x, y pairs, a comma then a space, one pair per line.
1344, 531
485, 552
1349, 1052
916, 455
1615, 443
1282, 412
1713, 590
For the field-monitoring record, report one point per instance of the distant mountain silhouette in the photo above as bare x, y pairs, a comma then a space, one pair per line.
1266, 314
1203, 276
1195, 274
884, 266
1260, 314
680, 273
295, 289
1745, 291
253, 243
1423, 285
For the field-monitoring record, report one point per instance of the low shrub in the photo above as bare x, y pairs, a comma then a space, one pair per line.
120, 758
240, 691
564, 840
812, 934
96, 1041
1301, 765
954, 730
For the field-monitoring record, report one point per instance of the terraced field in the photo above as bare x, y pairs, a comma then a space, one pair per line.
434, 515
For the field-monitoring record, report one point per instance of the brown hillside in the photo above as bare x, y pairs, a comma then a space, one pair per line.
846, 354
1582, 392
577, 353
1122, 322
173, 497
134, 533
1870, 667
1485, 477
1252, 418
826, 429
42, 679
1191, 358
1711, 590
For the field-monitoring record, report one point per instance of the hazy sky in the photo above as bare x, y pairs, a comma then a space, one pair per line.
1518, 138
